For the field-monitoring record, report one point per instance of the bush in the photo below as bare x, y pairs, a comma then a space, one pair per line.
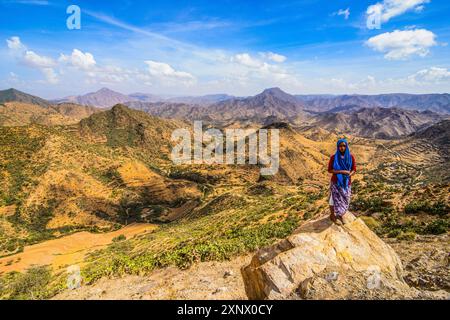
409, 236
31, 285
371, 223
119, 238
439, 226
437, 208
394, 233
372, 204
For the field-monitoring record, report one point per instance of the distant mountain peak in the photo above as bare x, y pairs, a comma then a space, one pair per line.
14, 95
276, 92
106, 90
273, 90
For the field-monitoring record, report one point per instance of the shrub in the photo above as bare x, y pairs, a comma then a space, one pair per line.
119, 238
437, 208
31, 285
438, 226
372, 204
371, 223
394, 233
409, 236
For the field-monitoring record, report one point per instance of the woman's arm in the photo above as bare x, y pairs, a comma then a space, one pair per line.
339, 171
331, 170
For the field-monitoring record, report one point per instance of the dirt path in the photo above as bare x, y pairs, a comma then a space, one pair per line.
67, 250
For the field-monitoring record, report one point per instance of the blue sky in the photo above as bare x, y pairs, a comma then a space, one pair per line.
235, 47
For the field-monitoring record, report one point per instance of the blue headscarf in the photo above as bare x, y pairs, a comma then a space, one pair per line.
342, 163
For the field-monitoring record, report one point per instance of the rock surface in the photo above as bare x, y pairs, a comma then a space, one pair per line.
323, 260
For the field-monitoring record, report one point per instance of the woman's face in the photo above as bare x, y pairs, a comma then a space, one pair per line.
342, 147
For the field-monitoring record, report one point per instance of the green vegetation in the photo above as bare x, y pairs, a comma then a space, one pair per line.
37, 283
17, 169
425, 214
119, 238
371, 204
216, 236
439, 208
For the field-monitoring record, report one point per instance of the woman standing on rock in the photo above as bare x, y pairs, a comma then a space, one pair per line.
342, 165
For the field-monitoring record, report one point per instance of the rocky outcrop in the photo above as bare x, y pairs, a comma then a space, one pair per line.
323, 260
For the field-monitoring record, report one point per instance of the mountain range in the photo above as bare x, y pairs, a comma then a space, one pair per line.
381, 123
343, 115
434, 102
439, 103
105, 98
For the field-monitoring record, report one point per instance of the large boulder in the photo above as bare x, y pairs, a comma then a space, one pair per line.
323, 260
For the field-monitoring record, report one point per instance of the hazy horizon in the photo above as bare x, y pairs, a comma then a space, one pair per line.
219, 93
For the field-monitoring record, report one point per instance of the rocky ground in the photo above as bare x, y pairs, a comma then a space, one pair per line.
207, 280
426, 261
425, 273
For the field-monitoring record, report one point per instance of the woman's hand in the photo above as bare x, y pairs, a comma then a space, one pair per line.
346, 172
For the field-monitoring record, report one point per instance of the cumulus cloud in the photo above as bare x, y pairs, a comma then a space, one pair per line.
246, 70
275, 57
165, 74
78, 59
163, 69
33, 60
388, 9
36, 61
50, 75
431, 75
400, 45
14, 43
246, 60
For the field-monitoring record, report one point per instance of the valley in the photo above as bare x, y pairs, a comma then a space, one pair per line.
97, 188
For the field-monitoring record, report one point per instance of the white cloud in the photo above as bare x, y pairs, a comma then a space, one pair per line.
342, 12
366, 83
165, 74
245, 70
34, 60
392, 8
44, 64
14, 43
399, 45
78, 59
246, 60
431, 75
163, 69
50, 75
275, 57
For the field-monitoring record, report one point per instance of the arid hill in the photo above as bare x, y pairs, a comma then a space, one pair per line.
12, 94
21, 114
381, 123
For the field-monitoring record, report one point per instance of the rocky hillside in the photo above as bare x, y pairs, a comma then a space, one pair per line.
13, 95
273, 103
21, 114
381, 123
103, 98
420, 102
